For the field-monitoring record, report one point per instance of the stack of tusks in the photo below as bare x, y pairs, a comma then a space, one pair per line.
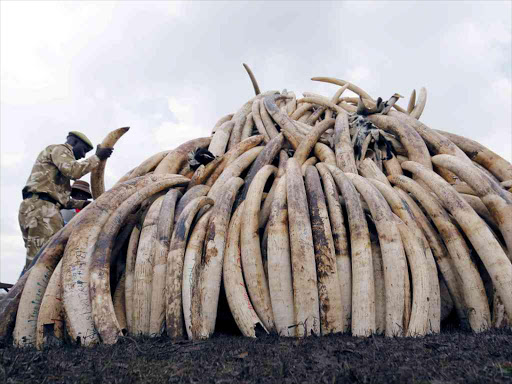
317, 243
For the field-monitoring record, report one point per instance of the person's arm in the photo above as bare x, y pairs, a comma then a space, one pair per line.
65, 161
77, 204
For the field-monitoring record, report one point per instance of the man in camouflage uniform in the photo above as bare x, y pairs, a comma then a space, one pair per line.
48, 189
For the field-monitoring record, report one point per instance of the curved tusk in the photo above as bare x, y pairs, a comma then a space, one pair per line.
131, 256
213, 256
175, 261
267, 121
258, 121
495, 260
143, 277
420, 105
248, 127
440, 253
291, 104
286, 124
9, 306
220, 138
146, 166
214, 168
265, 157
491, 161
475, 299
307, 145
342, 83
98, 173
221, 121
51, 312
343, 149
235, 169
335, 100
305, 289
412, 102
324, 154
164, 229
192, 194
329, 290
390, 103
364, 285
253, 79
103, 312
191, 282
409, 137
392, 166
251, 250
490, 192
299, 112
426, 305
340, 238
236, 292
177, 158
369, 170
393, 254
279, 262
28, 310
240, 118
119, 300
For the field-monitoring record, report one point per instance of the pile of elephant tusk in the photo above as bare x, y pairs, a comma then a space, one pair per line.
316, 215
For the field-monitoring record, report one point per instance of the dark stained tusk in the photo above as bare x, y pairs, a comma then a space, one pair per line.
253, 79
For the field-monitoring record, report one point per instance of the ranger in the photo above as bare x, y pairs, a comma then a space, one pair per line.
48, 189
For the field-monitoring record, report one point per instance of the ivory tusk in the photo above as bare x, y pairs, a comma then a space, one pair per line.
236, 292
175, 261
211, 265
365, 319
477, 308
329, 291
98, 173
393, 254
257, 285
306, 304
253, 79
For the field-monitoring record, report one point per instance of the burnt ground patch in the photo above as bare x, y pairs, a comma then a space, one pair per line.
451, 357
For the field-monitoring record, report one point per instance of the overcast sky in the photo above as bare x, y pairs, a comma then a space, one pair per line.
170, 70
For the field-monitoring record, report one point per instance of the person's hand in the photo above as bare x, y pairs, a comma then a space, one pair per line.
103, 153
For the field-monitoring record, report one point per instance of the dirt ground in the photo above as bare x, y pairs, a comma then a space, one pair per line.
451, 357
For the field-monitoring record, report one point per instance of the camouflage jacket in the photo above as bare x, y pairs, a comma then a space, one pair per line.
54, 168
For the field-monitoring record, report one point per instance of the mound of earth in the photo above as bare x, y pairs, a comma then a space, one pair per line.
450, 357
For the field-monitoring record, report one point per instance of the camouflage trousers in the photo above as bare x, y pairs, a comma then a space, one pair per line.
39, 220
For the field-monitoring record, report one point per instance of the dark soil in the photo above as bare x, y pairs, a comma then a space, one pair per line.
451, 357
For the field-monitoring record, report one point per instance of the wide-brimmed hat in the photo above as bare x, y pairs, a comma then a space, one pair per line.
82, 186
82, 137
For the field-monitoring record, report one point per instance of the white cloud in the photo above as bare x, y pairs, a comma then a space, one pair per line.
496, 109
359, 75
502, 89
485, 44
11, 159
35, 37
365, 8
188, 111
170, 134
